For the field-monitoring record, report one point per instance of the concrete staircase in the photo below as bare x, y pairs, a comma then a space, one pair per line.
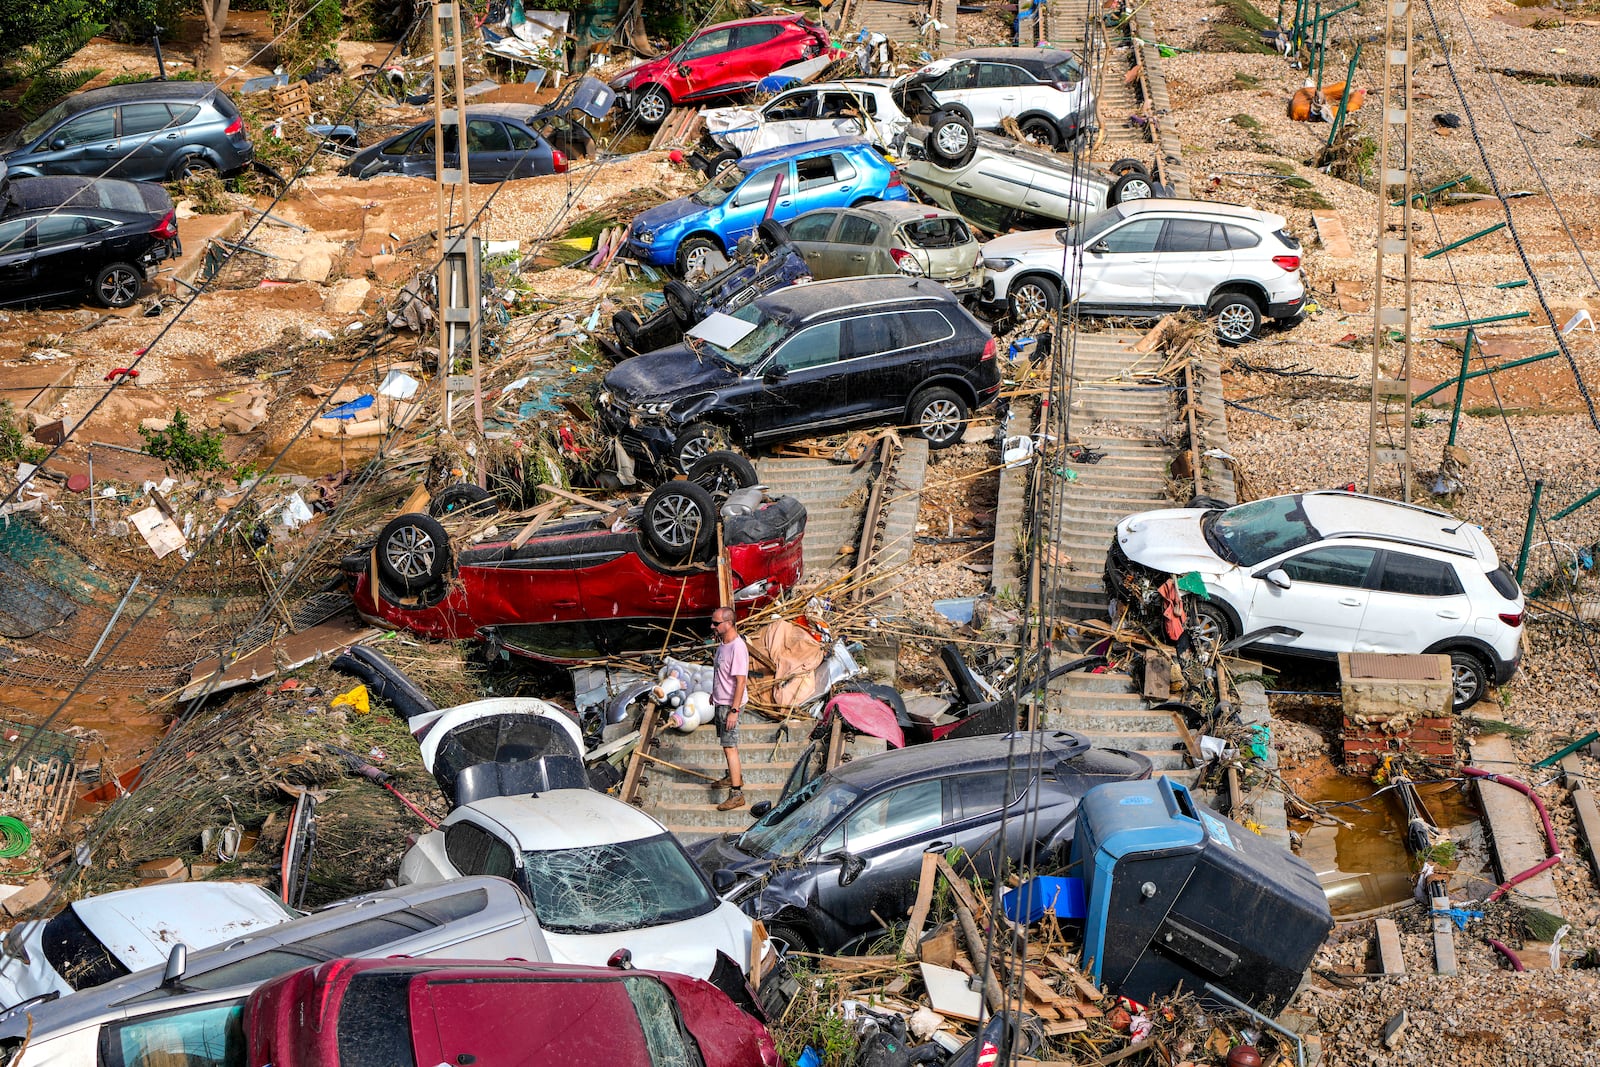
1108, 709
688, 805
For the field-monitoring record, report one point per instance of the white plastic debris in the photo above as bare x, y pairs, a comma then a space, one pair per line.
295, 512
398, 385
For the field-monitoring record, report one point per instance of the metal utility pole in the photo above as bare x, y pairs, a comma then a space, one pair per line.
1391, 383
458, 263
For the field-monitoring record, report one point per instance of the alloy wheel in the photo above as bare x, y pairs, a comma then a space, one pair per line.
953, 139
1235, 322
652, 108
119, 287
410, 551
695, 260
1464, 682
1031, 301
1138, 189
1208, 635
941, 420
677, 521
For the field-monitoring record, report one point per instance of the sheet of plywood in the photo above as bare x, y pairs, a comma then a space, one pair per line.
1330, 231
948, 993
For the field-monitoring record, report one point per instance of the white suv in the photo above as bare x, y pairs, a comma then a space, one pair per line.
1148, 257
1044, 89
1326, 572
857, 107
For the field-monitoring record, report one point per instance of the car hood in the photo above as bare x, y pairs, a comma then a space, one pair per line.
1168, 540
650, 69
722, 854
665, 214
689, 947
671, 371
1024, 243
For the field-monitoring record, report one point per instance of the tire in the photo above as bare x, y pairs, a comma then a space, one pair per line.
1208, 502
940, 416
1238, 318
1469, 680
721, 162
788, 937
693, 252
1211, 629
864, 201
773, 234
697, 441
625, 324
463, 498
413, 552
720, 473
680, 522
1128, 165
1033, 297
117, 285
681, 301
1041, 131
192, 166
653, 106
1135, 185
951, 141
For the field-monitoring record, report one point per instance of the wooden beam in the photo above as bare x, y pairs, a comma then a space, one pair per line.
919, 910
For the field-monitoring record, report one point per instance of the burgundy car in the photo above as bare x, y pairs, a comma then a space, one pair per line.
720, 61
388, 1012
582, 589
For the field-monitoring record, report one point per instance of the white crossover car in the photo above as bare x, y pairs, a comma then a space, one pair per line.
858, 107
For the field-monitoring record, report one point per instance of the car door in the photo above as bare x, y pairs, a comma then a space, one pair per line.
1191, 260
149, 141
748, 59
85, 144
1119, 268
418, 160
884, 836
810, 235
997, 94
846, 114
802, 386
825, 181
528, 152
1326, 600
16, 262
851, 252
1415, 602
744, 210
957, 85
489, 156
979, 799
703, 61
62, 258
889, 357
791, 118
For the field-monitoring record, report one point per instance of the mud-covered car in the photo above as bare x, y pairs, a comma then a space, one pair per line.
860, 107
887, 238
585, 587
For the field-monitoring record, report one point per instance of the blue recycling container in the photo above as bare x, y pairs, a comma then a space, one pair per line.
1178, 894
1029, 901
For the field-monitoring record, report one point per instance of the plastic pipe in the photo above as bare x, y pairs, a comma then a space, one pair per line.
1544, 818
1527, 535
1516, 963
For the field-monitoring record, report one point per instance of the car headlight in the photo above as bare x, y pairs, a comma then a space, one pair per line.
646, 237
753, 591
1000, 264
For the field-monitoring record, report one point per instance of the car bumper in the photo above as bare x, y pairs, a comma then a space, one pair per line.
1287, 310
657, 255
1505, 669
649, 442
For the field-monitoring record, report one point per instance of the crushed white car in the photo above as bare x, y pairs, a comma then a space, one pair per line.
858, 107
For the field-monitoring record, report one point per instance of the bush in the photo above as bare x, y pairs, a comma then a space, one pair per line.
16, 445
184, 448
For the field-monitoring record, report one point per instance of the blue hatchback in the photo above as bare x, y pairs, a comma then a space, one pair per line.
837, 172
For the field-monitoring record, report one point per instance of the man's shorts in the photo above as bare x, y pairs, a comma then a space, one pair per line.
728, 738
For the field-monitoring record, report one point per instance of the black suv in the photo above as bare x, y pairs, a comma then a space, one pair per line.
816, 865
807, 359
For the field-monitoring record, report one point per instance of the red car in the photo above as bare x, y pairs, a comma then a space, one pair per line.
719, 61
583, 589
365, 1013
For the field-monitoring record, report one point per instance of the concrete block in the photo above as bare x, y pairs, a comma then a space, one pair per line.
1390, 957
314, 266
28, 897
347, 296
161, 868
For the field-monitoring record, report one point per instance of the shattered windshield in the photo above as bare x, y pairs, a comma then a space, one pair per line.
754, 346
35, 129
1247, 534
720, 188
782, 832
627, 885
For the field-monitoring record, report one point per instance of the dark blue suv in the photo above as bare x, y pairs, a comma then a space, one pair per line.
837, 172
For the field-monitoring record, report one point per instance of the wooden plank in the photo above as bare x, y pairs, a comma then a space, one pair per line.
541, 515
959, 886
1331, 233
1390, 958
1038, 988
758, 942
1157, 677
919, 909
647, 733
556, 490
1588, 813
1065, 1026
1085, 988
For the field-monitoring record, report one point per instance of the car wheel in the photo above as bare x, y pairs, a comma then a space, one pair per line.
413, 552
463, 498
1033, 298
1469, 680
1128, 165
681, 301
1238, 318
721, 162
864, 201
773, 234
1132, 186
653, 106
625, 324
1207, 502
694, 255
193, 167
680, 521
696, 442
720, 473
950, 139
940, 416
787, 938
1211, 629
117, 285
1042, 132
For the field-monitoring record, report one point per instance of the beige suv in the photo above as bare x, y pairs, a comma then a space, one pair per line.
890, 238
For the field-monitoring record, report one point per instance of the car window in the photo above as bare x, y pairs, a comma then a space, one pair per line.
998, 75
1192, 235
182, 116
55, 229
980, 794
759, 187
11, 236
814, 346
835, 105
843, 169
990, 216
923, 327
870, 335
252, 970
456, 906
81, 959
706, 44
1249, 533
895, 815
1418, 576
1239, 237
207, 1036
658, 1014
466, 846
960, 76
812, 226
521, 139
785, 830
1140, 235
937, 233
1345, 565
424, 144
856, 230
144, 118
401, 144
1067, 71
625, 885
485, 136
816, 172
92, 126
751, 35
796, 105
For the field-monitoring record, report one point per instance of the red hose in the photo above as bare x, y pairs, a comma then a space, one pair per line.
400, 797
1544, 817
1516, 963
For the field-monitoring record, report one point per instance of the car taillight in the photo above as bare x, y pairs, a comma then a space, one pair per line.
167, 228
905, 262
558, 159
1287, 262
894, 179
1512, 619
988, 351
235, 127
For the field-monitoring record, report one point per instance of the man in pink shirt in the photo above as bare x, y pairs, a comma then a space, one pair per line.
729, 685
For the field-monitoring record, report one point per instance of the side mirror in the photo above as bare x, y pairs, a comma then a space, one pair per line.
1278, 577
59, 143
177, 963
723, 880
760, 808
773, 375
850, 867
1099, 248
683, 69
621, 960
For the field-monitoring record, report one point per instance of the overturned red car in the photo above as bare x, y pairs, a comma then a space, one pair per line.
583, 589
